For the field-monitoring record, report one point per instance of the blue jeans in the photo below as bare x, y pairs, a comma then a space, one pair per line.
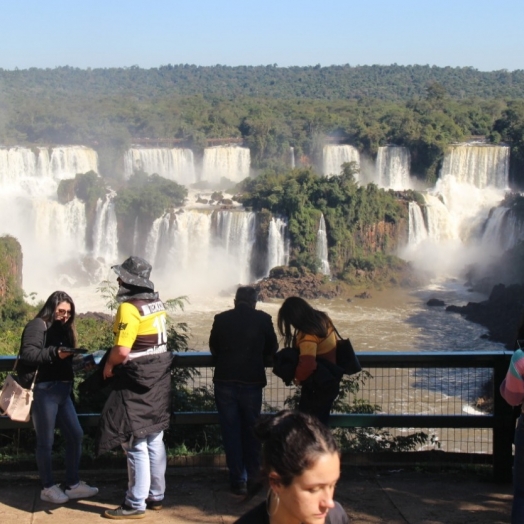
517, 510
239, 406
146, 469
52, 406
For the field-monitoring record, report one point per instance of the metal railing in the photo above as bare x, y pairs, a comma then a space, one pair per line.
494, 365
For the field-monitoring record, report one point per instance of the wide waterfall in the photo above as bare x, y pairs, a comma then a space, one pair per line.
393, 167
336, 155
175, 164
209, 250
462, 209
50, 233
40, 168
322, 247
229, 162
478, 165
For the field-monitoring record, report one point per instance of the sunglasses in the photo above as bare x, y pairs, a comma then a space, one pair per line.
64, 312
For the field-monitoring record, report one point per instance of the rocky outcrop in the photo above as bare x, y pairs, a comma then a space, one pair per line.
285, 282
435, 302
501, 313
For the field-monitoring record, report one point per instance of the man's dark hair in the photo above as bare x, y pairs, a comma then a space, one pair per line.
247, 295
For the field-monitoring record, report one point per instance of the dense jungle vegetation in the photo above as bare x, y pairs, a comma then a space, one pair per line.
423, 108
364, 223
391, 82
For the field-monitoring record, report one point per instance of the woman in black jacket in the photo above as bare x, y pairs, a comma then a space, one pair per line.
46, 350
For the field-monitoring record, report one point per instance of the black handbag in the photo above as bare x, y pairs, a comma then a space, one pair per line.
346, 357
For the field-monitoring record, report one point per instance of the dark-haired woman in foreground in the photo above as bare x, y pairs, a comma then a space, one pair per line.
45, 349
312, 332
301, 463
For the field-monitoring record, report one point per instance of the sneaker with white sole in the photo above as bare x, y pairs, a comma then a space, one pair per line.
124, 512
54, 494
82, 491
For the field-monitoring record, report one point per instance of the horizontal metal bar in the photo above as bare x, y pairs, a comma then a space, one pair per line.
336, 420
440, 359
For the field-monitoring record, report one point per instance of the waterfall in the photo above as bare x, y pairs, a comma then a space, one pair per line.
417, 228
336, 155
502, 230
105, 237
322, 247
455, 213
175, 164
34, 171
392, 168
292, 157
52, 235
203, 249
278, 244
67, 161
478, 165
230, 162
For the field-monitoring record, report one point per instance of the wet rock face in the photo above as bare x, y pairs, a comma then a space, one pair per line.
435, 302
501, 313
287, 284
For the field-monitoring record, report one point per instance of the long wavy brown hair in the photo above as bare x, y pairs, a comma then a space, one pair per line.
296, 314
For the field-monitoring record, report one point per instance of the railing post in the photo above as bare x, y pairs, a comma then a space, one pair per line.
504, 427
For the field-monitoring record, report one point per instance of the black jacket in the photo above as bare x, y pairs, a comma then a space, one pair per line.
39, 349
325, 378
139, 403
239, 340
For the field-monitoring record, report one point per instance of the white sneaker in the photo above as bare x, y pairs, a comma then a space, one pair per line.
82, 491
54, 494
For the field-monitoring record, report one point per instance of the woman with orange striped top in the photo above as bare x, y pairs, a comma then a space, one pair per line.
312, 332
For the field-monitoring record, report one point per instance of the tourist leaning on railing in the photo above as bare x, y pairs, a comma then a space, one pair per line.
512, 389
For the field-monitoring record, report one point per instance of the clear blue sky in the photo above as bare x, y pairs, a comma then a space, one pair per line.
485, 34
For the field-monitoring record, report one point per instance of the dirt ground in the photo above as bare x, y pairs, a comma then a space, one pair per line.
201, 496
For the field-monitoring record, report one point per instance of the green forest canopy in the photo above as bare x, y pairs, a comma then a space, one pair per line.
270, 108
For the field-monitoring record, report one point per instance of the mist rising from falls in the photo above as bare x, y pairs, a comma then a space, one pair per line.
203, 251
175, 164
336, 155
50, 233
231, 162
446, 233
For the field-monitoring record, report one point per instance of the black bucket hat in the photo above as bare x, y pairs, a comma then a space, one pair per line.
135, 271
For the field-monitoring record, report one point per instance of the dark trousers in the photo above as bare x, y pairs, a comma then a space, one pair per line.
239, 406
517, 510
317, 402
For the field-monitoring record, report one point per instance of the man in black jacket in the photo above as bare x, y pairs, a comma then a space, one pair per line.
138, 409
240, 339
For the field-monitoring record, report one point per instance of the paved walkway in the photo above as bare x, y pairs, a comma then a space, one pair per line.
201, 496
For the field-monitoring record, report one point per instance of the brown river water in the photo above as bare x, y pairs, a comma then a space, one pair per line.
394, 320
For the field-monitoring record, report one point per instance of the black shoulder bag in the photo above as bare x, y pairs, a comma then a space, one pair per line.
346, 357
